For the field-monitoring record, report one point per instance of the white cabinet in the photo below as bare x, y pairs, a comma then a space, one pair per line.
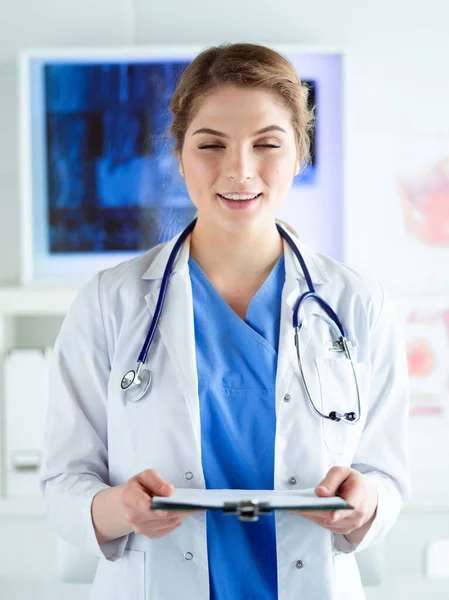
25, 392
23, 387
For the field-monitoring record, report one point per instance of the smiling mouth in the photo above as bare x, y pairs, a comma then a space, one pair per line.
240, 197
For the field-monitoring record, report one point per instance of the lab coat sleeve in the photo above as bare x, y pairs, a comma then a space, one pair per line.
75, 461
382, 454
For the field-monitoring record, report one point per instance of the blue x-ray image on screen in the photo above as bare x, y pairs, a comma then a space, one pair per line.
101, 182
112, 178
113, 181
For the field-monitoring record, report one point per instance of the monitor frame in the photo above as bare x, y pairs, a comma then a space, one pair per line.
80, 268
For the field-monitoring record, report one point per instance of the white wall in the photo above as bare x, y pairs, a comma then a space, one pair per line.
397, 82
396, 77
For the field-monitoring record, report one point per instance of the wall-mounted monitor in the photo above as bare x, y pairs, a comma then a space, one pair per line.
100, 183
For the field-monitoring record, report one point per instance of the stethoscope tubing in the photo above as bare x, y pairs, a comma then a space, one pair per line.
163, 292
135, 380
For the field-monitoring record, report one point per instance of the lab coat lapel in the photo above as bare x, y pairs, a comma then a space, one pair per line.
176, 330
287, 360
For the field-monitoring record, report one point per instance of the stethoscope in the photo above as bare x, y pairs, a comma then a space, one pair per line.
137, 382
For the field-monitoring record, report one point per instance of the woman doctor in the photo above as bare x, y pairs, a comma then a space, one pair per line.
229, 404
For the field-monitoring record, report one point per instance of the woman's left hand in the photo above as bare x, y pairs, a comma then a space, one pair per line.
359, 491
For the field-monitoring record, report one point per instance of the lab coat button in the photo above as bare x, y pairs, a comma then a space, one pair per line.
299, 564
293, 481
287, 397
188, 556
188, 475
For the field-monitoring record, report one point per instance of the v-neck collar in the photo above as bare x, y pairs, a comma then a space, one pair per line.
257, 296
239, 321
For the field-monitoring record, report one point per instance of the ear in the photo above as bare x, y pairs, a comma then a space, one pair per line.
297, 166
180, 165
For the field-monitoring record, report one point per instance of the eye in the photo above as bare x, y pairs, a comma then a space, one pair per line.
256, 146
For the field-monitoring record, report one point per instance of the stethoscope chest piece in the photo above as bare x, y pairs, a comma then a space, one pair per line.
136, 384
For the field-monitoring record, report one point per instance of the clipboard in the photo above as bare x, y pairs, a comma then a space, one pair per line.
248, 505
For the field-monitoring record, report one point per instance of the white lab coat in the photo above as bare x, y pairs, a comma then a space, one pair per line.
96, 439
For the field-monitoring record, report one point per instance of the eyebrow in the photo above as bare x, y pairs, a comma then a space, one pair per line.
259, 132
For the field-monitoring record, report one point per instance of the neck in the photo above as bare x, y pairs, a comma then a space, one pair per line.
232, 256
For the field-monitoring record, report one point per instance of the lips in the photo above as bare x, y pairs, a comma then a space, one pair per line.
253, 196
239, 205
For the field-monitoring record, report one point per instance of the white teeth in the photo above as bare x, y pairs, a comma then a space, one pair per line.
239, 196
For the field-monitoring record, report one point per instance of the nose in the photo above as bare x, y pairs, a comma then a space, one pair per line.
239, 166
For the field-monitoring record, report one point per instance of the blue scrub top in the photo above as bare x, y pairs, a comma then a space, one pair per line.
237, 363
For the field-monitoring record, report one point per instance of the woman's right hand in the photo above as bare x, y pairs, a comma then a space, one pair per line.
136, 499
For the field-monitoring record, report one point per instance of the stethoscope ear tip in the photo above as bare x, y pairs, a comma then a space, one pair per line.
334, 416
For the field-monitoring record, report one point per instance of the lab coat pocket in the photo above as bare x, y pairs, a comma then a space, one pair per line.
122, 579
339, 393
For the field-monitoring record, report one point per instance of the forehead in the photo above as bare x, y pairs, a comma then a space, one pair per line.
241, 106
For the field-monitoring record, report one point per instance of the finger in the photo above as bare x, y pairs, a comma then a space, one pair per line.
165, 512
335, 516
341, 517
156, 523
154, 483
182, 514
354, 490
157, 533
323, 514
316, 520
333, 480
158, 513
135, 497
166, 523
335, 522
340, 530
162, 513
319, 514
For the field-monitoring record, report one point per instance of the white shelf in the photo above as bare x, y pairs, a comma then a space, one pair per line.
35, 300
16, 302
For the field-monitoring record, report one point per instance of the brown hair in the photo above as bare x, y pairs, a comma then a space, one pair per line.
243, 65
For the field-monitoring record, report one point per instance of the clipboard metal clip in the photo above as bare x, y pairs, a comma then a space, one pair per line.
247, 510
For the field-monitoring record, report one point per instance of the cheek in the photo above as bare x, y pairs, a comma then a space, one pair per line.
278, 172
201, 171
